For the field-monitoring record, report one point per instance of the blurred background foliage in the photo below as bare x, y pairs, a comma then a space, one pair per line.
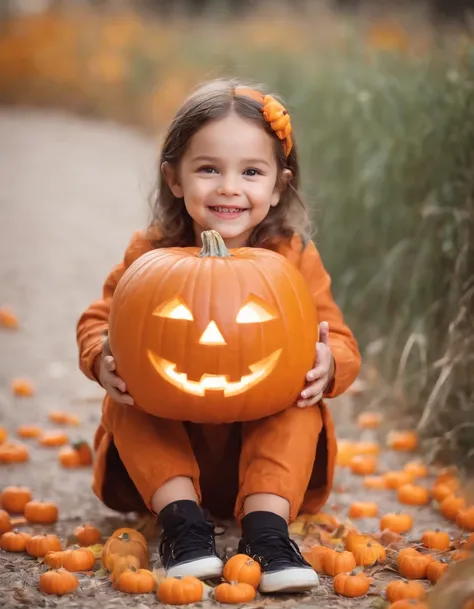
382, 103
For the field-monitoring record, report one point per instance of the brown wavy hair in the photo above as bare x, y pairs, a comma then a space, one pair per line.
214, 100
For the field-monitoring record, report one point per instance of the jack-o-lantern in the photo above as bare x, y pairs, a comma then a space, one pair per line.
212, 335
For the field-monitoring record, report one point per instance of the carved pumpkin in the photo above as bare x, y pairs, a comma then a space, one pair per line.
212, 335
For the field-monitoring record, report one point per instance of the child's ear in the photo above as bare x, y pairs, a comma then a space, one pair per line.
171, 176
281, 185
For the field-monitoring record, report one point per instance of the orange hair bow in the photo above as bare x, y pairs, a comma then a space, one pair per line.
274, 113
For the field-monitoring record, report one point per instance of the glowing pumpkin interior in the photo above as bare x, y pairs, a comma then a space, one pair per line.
254, 311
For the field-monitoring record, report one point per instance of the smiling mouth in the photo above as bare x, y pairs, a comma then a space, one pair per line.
230, 211
214, 382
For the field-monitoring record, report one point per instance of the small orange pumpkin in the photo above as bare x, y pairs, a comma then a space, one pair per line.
367, 448
369, 420
411, 494
396, 522
39, 545
354, 538
338, 561
395, 479
417, 469
3, 435
398, 590
78, 559
87, 535
413, 565
14, 541
124, 545
8, 319
363, 509
375, 483
58, 582
436, 540
77, 455
442, 490
402, 440
14, 499
352, 585
460, 555
29, 431
435, 570
234, 593
316, 557
174, 591
367, 554
243, 569
54, 559
53, 438
362, 465
22, 387
13, 452
450, 506
122, 564
5, 522
465, 518
136, 581
41, 512
63, 418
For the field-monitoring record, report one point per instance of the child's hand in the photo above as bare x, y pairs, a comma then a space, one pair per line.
323, 372
110, 381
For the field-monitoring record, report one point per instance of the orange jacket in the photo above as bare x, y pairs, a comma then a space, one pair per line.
94, 321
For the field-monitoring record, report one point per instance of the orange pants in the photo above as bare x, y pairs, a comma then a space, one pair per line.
137, 453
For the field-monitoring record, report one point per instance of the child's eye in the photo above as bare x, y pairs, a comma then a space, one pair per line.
207, 169
252, 172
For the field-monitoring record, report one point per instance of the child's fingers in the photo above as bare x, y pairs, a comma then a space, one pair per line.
314, 389
109, 362
119, 397
317, 372
116, 381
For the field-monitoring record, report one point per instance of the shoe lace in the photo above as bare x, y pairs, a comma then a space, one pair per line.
274, 546
188, 537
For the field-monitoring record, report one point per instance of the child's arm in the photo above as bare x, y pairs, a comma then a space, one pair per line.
93, 323
341, 340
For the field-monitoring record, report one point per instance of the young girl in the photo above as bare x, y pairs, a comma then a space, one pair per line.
228, 163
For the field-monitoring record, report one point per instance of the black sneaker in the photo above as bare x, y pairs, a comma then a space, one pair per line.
283, 567
187, 543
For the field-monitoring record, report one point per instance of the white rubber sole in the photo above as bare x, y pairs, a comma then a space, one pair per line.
289, 580
204, 568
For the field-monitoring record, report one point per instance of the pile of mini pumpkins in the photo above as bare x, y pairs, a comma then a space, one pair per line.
341, 551
124, 557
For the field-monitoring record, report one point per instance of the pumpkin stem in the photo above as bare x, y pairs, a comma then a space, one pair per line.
213, 245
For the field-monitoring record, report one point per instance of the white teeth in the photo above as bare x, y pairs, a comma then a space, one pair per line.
227, 210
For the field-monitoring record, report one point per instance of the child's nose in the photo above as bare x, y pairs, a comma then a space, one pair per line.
229, 185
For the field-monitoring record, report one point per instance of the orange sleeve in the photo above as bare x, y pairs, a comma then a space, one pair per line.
93, 323
341, 340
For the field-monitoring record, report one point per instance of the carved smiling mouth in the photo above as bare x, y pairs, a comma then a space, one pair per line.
214, 382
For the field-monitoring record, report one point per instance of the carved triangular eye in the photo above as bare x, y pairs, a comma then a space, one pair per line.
174, 309
254, 311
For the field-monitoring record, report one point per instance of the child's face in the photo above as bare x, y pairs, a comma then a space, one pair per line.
228, 178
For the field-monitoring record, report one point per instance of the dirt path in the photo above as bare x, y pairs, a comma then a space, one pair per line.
71, 193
